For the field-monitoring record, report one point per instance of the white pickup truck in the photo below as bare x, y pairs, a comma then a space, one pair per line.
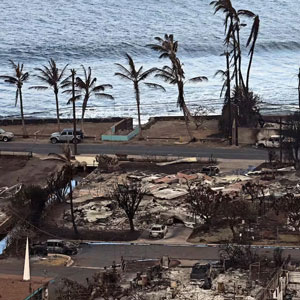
271, 142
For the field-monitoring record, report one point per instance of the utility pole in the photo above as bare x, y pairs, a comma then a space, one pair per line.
229, 98
236, 125
280, 138
73, 72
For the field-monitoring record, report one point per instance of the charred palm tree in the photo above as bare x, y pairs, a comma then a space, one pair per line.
18, 79
52, 77
167, 47
68, 172
136, 77
87, 87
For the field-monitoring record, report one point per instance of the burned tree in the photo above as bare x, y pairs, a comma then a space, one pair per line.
292, 137
107, 163
238, 256
256, 191
128, 195
234, 211
204, 202
57, 186
68, 172
291, 207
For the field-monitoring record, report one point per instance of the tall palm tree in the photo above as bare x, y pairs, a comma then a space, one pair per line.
67, 83
52, 77
18, 79
136, 76
88, 87
167, 47
251, 40
68, 173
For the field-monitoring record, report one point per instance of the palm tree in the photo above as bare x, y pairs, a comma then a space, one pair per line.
88, 87
136, 77
251, 40
167, 48
68, 173
52, 77
18, 79
70, 82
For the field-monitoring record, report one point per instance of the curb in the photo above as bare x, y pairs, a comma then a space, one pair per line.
97, 243
69, 261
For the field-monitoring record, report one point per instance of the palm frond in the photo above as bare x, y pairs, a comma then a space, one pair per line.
38, 87
154, 85
123, 76
220, 73
25, 77
59, 156
104, 95
147, 73
131, 64
9, 79
247, 13
80, 83
124, 69
198, 79
74, 99
62, 72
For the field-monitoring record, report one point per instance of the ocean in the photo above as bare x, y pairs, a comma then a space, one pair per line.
97, 33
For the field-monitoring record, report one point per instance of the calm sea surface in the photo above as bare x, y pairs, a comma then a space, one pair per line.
97, 33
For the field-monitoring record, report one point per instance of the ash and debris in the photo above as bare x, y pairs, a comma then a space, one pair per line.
175, 283
165, 195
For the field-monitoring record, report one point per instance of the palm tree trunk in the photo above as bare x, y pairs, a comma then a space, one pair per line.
72, 209
84, 105
74, 114
229, 99
137, 95
57, 110
25, 134
241, 80
248, 71
186, 119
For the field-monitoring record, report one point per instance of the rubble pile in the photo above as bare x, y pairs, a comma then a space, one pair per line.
164, 199
175, 284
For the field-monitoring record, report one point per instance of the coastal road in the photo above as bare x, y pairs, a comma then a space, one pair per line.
100, 255
133, 149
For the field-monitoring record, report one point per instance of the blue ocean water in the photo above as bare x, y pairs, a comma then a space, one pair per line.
97, 33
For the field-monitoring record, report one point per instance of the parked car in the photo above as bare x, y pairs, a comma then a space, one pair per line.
271, 142
60, 246
158, 231
66, 135
53, 246
201, 275
5, 136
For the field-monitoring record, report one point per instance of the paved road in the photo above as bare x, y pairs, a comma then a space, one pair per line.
104, 254
174, 150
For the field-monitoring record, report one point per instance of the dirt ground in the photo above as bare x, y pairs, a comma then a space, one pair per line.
162, 132
44, 130
25, 170
176, 129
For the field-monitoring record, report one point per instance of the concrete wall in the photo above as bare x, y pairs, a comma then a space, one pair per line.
54, 121
125, 124
247, 135
120, 138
